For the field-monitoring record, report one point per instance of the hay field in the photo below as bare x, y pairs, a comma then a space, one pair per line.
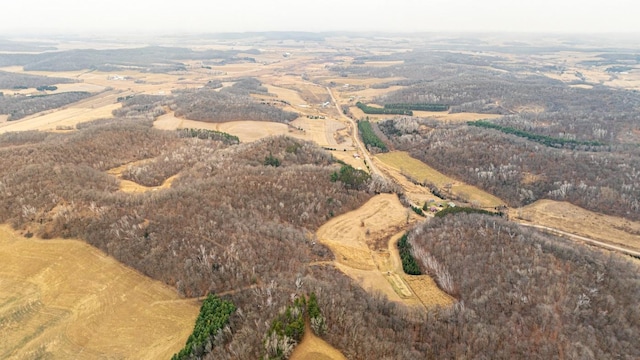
81, 86
99, 106
135, 81
288, 95
65, 299
363, 242
362, 81
321, 131
576, 220
312, 347
247, 131
417, 194
420, 171
325, 132
367, 94
169, 121
384, 63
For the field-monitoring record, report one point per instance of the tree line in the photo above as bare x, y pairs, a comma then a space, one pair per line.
542, 139
18, 107
369, 137
382, 111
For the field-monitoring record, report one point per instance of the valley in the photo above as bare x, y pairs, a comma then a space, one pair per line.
145, 203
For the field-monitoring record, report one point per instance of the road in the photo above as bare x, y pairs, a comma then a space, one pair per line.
374, 170
361, 148
601, 244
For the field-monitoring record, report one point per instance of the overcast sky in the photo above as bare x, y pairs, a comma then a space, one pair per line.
76, 16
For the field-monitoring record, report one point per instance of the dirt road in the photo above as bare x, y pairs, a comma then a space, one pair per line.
585, 239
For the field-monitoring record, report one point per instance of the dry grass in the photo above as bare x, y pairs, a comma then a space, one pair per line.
129, 186
247, 131
582, 86
314, 348
65, 299
324, 131
347, 157
575, 220
321, 131
288, 95
384, 63
368, 93
169, 121
341, 81
420, 171
96, 107
364, 244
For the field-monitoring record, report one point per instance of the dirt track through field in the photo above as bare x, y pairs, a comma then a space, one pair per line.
65, 299
568, 218
363, 242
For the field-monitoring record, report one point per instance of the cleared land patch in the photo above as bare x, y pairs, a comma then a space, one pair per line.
129, 186
314, 348
420, 171
363, 242
65, 299
66, 118
576, 220
321, 131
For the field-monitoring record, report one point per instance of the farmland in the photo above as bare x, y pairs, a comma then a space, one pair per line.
64, 298
272, 219
421, 172
363, 243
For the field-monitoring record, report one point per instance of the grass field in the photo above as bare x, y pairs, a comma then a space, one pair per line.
420, 171
321, 131
363, 242
573, 219
129, 186
67, 300
291, 96
312, 347
97, 107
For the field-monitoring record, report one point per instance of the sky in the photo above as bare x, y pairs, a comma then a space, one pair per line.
197, 16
